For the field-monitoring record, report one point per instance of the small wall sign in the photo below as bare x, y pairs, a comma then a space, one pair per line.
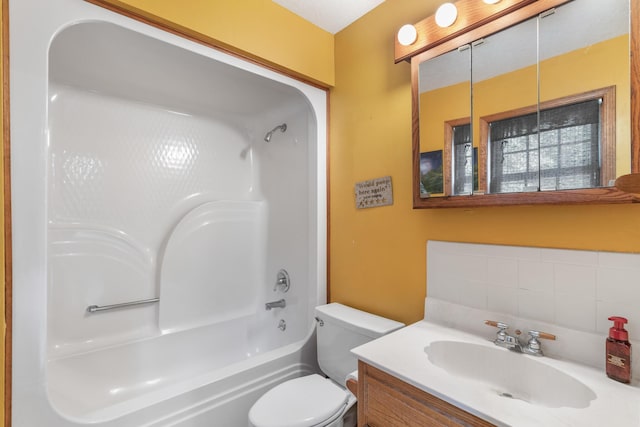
374, 192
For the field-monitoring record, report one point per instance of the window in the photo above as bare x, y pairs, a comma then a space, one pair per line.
574, 149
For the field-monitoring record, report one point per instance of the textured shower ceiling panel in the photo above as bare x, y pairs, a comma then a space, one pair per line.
330, 15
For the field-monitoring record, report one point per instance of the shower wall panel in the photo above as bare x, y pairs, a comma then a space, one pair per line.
122, 176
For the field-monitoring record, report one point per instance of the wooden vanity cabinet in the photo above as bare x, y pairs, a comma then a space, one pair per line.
386, 401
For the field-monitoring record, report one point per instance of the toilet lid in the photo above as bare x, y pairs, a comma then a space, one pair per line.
301, 402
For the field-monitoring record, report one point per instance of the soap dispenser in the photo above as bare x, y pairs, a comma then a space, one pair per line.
618, 351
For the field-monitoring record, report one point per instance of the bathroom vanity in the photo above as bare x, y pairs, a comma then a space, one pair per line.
428, 374
388, 401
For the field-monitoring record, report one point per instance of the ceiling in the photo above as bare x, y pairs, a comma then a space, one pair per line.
330, 15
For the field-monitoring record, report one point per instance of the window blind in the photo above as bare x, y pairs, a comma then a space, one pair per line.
564, 155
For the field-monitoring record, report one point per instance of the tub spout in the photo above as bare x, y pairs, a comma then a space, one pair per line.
275, 304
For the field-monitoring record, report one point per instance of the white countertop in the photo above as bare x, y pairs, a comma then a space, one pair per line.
402, 354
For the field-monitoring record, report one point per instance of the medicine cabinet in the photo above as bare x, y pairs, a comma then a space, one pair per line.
531, 103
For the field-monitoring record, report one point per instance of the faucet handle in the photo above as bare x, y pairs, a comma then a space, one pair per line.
543, 335
501, 335
499, 325
533, 346
283, 281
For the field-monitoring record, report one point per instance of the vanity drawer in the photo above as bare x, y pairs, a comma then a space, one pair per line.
386, 401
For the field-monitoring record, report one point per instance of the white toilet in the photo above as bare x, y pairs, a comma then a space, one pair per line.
316, 401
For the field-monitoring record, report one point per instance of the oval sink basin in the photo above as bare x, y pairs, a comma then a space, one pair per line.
510, 375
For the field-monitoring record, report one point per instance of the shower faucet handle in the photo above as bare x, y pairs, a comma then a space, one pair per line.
283, 281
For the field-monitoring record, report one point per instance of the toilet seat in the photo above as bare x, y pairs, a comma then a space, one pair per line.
302, 402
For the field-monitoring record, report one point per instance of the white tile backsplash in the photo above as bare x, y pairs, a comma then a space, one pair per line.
504, 300
502, 272
473, 268
575, 279
575, 311
572, 289
537, 305
619, 260
569, 257
535, 276
613, 284
514, 252
473, 295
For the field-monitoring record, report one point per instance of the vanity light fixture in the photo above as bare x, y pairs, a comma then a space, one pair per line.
446, 15
407, 35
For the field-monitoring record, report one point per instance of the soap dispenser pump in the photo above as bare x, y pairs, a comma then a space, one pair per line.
618, 351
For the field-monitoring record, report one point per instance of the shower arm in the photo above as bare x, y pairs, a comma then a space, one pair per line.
282, 128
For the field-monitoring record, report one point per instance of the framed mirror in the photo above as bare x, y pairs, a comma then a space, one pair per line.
532, 107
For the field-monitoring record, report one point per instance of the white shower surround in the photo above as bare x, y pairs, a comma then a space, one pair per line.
72, 221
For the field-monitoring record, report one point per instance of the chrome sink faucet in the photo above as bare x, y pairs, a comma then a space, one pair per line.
504, 339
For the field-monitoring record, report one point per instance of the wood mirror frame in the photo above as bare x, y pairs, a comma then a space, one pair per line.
480, 21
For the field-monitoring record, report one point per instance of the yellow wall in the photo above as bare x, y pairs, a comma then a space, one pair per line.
260, 29
377, 255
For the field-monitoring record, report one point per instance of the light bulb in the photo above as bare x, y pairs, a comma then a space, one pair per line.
446, 15
407, 35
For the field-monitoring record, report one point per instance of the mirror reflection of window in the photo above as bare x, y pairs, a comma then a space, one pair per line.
566, 152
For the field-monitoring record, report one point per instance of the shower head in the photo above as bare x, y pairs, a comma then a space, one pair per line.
282, 127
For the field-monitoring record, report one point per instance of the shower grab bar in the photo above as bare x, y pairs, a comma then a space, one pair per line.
95, 308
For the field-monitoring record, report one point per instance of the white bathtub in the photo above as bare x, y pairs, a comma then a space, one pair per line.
140, 171
177, 379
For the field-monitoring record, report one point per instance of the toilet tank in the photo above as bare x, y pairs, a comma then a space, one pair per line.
341, 328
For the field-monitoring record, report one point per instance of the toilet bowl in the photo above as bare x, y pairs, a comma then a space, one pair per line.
315, 400
312, 400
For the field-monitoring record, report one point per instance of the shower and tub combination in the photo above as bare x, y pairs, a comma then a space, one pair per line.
168, 224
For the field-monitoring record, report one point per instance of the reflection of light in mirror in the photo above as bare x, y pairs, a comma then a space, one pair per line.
446, 15
407, 35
